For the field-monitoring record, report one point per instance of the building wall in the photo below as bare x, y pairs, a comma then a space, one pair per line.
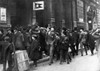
20, 12
60, 13
4, 4
80, 12
91, 13
68, 13
43, 17
74, 13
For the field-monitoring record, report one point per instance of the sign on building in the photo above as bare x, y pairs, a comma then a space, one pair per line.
3, 14
39, 5
81, 20
52, 19
95, 26
98, 16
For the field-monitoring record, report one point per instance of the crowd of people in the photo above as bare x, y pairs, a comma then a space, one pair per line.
63, 45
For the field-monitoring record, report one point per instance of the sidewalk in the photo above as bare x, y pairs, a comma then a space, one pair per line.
1, 67
79, 63
40, 61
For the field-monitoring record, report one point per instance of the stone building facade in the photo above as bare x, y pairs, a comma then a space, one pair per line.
59, 13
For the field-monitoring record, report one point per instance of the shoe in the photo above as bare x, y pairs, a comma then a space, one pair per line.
67, 62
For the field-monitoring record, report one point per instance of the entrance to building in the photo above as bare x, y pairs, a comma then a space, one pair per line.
40, 18
22, 16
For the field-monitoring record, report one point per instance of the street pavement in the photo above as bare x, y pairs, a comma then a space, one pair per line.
79, 63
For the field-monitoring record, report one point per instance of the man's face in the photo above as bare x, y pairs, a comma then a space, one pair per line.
15, 31
62, 31
81, 30
70, 34
52, 29
9, 31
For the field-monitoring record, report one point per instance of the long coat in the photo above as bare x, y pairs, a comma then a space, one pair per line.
35, 53
91, 41
27, 39
18, 41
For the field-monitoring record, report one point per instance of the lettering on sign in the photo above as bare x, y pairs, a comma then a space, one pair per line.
2, 14
52, 19
39, 5
81, 20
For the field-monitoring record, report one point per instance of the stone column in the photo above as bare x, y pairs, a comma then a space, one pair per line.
62, 14
76, 12
52, 18
85, 15
33, 14
59, 11
74, 20
8, 18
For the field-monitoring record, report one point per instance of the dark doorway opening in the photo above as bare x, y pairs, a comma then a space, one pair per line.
40, 18
22, 13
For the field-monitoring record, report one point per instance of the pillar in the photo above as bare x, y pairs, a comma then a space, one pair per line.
85, 16
51, 9
33, 13
74, 10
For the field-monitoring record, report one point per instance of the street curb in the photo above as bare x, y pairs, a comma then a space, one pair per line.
41, 60
44, 59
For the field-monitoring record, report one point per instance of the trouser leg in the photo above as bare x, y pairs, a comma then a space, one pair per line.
76, 48
85, 48
68, 58
4, 59
64, 55
73, 50
81, 46
35, 63
51, 53
61, 56
92, 51
10, 61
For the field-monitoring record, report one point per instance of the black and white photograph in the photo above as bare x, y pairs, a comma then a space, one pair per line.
49, 35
